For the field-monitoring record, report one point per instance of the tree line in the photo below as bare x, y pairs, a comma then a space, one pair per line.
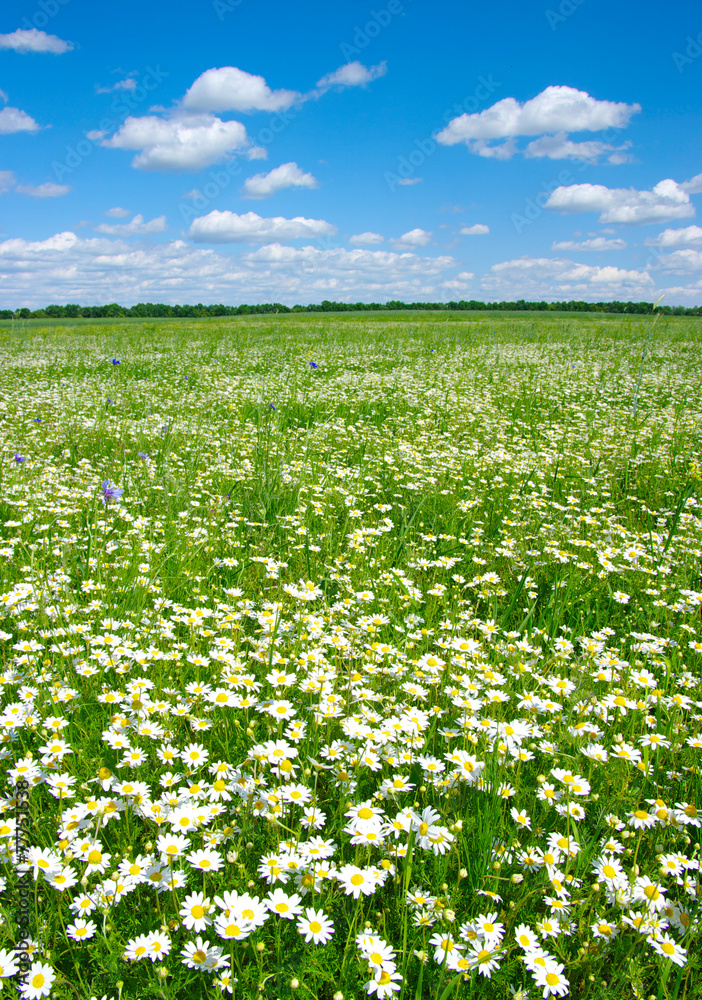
158, 310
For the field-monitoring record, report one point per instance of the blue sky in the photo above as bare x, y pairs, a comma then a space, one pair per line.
252, 150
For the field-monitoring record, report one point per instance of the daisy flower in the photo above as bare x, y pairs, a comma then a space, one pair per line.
206, 861
488, 928
315, 926
387, 983
38, 982
201, 955
355, 881
230, 928
158, 945
81, 930
526, 938
194, 911
284, 905
170, 847
552, 980
668, 948
483, 959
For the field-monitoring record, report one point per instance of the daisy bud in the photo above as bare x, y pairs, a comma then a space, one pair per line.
260, 946
338, 995
294, 984
517, 879
463, 873
449, 915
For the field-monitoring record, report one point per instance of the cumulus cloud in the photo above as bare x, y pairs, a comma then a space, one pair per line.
228, 227
117, 213
285, 176
550, 278
597, 243
230, 89
557, 109
14, 120
413, 239
66, 268
137, 227
477, 230
7, 180
47, 190
666, 201
560, 147
689, 236
353, 74
32, 40
181, 143
366, 239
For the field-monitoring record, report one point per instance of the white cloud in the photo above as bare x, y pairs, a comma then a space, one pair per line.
137, 227
477, 230
129, 83
230, 89
353, 74
182, 143
409, 181
228, 227
689, 236
560, 147
666, 201
14, 120
597, 243
47, 190
32, 40
7, 180
556, 109
66, 268
285, 176
549, 278
694, 185
679, 262
117, 213
366, 239
414, 238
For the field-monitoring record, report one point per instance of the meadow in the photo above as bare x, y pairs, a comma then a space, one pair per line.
351, 657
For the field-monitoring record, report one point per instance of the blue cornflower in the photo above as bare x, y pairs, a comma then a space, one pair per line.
116, 361
37, 420
313, 364
109, 400
111, 493
272, 407
19, 458
142, 455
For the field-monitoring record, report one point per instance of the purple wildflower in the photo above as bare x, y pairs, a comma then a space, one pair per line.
142, 455
19, 458
111, 493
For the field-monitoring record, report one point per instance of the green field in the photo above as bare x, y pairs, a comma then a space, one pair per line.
382, 674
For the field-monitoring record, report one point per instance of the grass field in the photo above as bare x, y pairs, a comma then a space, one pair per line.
349, 657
